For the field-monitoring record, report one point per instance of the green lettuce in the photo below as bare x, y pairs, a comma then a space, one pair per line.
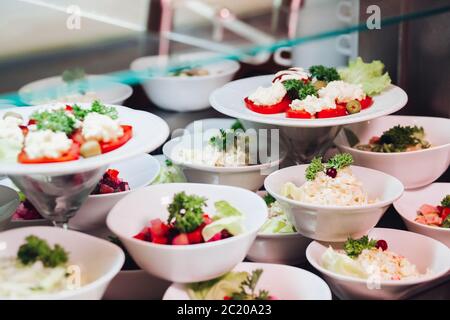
218, 288
227, 218
369, 75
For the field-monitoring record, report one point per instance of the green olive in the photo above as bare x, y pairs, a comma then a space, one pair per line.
353, 106
319, 84
12, 114
90, 148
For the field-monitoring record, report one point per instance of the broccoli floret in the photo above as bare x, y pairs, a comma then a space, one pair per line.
36, 249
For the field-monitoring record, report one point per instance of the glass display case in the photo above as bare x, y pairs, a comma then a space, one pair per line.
189, 60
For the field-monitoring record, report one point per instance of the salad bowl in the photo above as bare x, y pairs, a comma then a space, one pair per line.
413, 168
282, 282
183, 93
94, 274
431, 257
9, 201
185, 263
138, 172
410, 202
54, 89
335, 222
249, 177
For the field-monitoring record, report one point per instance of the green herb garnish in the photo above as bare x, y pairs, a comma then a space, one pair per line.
80, 113
399, 138
340, 161
248, 288
354, 247
237, 125
71, 75
446, 201
54, 120
307, 90
228, 138
268, 199
292, 87
36, 249
446, 223
186, 212
314, 168
168, 163
324, 74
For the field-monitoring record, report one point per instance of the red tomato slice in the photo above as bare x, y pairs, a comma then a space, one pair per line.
298, 114
339, 111
113, 145
366, 102
72, 154
279, 107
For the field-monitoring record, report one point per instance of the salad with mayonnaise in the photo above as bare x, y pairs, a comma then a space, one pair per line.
320, 92
369, 259
188, 223
61, 133
38, 269
228, 148
277, 221
330, 183
235, 285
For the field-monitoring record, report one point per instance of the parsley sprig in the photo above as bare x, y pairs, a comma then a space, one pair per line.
324, 74
248, 288
446, 201
354, 247
98, 107
297, 89
337, 162
186, 212
55, 120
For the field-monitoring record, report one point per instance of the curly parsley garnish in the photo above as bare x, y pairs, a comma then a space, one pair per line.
55, 120
337, 162
446, 201
248, 288
324, 74
297, 89
80, 113
354, 247
186, 212
36, 249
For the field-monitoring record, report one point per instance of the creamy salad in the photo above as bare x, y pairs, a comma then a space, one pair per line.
37, 270
332, 183
277, 222
367, 258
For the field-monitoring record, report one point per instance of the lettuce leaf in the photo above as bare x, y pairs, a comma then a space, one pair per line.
369, 75
218, 288
227, 218
342, 264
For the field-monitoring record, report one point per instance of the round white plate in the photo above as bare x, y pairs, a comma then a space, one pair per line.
149, 132
229, 100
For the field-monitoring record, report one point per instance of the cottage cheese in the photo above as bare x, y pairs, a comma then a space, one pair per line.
291, 74
313, 104
211, 156
10, 131
268, 96
46, 144
342, 91
101, 128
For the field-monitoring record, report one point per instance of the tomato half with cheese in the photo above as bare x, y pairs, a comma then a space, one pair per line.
72, 154
113, 145
298, 114
279, 107
339, 111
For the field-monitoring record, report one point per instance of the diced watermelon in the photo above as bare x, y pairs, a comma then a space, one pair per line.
427, 209
158, 228
160, 240
195, 236
142, 236
181, 239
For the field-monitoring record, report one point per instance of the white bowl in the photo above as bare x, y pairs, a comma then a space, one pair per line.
413, 168
138, 172
248, 177
99, 260
9, 201
184, 93
283, 248
410, 202
283, 282
105, 88
424, 252
335, 223
136, 285
190, 263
